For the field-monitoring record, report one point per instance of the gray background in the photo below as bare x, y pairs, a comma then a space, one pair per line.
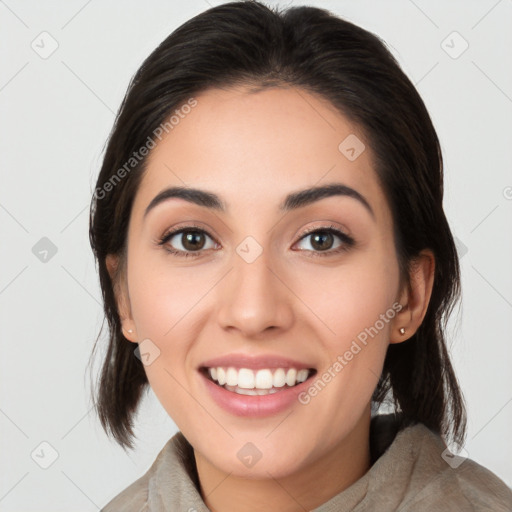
56, 112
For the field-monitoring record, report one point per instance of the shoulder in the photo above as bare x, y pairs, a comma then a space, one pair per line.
136, 497
132, 499
440, 479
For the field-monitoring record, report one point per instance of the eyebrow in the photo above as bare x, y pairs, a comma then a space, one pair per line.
292, 201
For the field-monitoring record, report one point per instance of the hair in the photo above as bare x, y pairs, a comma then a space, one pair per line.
249, 44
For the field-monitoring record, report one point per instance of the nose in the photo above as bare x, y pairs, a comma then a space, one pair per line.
255, 298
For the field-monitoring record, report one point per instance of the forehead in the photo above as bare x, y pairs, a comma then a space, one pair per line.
253, 148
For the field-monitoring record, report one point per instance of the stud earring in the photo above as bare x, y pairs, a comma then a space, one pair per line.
401, 330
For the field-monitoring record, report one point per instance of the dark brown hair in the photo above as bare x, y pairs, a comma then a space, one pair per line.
248, 43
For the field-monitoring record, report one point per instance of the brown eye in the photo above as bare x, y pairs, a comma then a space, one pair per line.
323, 240
192, 240
186, 241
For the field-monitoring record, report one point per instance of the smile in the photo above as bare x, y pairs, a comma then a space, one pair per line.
265, 381
255, 393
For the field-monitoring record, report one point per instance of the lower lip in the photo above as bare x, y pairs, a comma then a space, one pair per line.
254, 405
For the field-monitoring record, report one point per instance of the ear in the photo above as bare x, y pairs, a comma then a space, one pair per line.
117, 275
415, 297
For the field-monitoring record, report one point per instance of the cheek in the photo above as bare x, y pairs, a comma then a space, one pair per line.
346, 300
161, 296
161, 301
354, 303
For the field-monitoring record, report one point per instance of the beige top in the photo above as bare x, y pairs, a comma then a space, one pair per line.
411, 474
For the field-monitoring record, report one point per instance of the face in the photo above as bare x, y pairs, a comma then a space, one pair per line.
265, 290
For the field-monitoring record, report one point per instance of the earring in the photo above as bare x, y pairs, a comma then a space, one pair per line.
401, 330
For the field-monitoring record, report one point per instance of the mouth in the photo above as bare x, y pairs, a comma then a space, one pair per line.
260, 382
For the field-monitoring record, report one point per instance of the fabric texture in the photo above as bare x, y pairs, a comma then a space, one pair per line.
410, 471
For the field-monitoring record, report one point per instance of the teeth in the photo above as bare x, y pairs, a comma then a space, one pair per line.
249, 382
245, 378
279, 379
263, 379
242, 391
291, 377
302, 375
221, 376
231, 377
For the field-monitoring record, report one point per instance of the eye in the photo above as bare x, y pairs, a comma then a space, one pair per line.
322, 240
186, 241
189, 241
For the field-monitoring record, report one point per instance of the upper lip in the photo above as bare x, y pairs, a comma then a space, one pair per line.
254, 362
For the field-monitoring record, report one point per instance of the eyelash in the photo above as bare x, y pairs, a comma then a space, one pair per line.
347, 241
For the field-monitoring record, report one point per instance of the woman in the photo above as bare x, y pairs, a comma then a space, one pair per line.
276, 264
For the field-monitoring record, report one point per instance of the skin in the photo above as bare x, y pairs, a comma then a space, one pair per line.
252, 149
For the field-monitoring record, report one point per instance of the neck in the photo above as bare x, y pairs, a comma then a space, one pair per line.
305, 489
